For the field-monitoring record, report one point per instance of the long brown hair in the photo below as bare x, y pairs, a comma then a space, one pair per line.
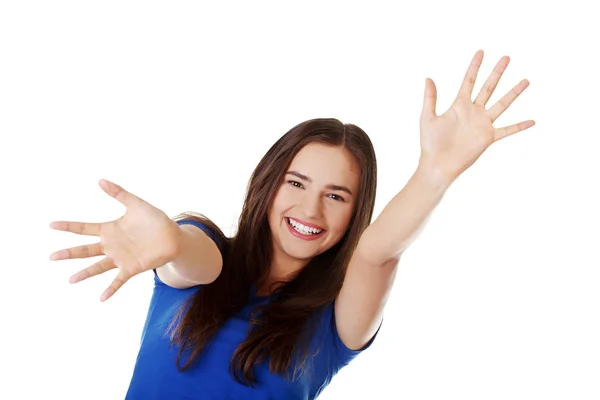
281, 329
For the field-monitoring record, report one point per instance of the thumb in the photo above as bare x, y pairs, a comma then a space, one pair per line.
430, 99
129, 200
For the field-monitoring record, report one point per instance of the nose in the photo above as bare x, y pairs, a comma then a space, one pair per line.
312, 206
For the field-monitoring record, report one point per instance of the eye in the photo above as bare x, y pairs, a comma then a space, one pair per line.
338, 198
294, 183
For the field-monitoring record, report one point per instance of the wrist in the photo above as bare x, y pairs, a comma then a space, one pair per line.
429, 173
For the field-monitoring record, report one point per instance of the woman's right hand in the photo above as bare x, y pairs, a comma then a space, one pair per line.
143, 239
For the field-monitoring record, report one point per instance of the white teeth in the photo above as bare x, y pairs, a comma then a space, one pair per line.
302, 228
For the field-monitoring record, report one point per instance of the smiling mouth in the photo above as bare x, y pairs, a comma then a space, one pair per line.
302, 229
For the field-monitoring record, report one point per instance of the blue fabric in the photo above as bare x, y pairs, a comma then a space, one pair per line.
155, 375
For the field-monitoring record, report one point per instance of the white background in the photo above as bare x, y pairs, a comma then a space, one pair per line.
177, 102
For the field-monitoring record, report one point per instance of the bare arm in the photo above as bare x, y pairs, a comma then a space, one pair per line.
372, 269
198, 260
450, 144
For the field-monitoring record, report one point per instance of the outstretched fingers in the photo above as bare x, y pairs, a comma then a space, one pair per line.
85, 251
466, 89
490, 84
116, 284
81, 228
502, 105
96, 269
126, 198
501, 133
429, 99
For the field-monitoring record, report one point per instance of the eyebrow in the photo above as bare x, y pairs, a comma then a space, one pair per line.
330, 186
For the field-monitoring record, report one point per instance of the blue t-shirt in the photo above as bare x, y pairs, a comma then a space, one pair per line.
155, 375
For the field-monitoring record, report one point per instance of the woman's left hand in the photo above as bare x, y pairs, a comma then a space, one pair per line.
452, 142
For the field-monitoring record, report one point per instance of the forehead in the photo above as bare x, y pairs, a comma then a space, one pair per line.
327, 164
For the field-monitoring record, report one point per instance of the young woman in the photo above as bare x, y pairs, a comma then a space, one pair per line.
275, 311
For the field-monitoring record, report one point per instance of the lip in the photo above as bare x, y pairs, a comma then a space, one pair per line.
302, 236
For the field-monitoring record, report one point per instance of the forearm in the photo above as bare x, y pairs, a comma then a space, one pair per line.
198, 260
405, 216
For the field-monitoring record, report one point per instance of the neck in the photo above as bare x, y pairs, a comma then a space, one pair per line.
282, 269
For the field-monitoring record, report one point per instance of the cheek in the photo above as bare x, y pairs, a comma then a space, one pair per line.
274, 215
339, 222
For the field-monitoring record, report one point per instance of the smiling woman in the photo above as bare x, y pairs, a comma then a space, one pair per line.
278, 309
280, 280
257, 307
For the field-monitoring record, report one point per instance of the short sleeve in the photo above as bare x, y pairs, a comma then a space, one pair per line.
345, 354
206, 229
211, 234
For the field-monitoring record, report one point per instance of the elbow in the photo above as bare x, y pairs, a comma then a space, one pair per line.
378, 253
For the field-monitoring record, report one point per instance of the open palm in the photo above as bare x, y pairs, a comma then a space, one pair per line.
452, 142
142, 239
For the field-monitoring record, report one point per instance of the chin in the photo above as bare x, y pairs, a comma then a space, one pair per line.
301, 257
